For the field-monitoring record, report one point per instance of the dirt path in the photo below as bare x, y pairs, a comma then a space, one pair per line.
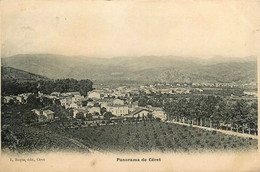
222, 131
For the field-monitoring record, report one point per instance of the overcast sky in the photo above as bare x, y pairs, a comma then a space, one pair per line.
114, 28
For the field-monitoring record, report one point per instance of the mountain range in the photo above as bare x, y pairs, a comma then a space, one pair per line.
148, 68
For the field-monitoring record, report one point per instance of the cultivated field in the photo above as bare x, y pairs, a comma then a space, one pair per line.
129, 137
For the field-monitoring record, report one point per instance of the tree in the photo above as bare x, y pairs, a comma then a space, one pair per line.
209, 105
252, 120
150, 115
183, 105
57, 102
90, 100
240, 112
62, 115
11, 102
89, 116
71, 113
46, 101
85, 86
29, 117
80, 115
84, 103
216, 117
219, 114
33, 100
138, 117
158, 119
169, 108
103, 110
107, 115
142, 102
96, 114
96, 104
142, 117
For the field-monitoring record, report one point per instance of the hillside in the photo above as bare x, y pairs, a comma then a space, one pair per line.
9, 73
149, 68
16, 81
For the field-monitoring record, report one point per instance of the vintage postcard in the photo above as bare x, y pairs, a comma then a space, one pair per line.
129, 85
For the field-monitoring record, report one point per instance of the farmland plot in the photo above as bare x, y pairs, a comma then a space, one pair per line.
158, 136
128, 137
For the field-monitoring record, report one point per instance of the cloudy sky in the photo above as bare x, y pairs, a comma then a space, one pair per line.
131, 28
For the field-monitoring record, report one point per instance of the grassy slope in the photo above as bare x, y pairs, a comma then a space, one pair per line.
9, 73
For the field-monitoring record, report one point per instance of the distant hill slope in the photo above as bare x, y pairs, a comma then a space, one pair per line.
150, 68
9, 73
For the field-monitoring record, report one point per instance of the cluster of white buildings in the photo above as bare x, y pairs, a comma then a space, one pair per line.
116, 101
224, 84
98, 99
165, 90
250, 93
44, 115
19, 99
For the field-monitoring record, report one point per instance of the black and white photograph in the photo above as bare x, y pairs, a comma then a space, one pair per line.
123, 77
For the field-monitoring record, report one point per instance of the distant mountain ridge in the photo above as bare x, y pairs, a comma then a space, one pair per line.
148, 68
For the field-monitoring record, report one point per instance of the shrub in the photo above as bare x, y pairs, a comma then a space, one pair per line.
158, 143
212, 144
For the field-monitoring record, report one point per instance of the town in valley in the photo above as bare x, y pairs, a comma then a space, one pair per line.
87, 117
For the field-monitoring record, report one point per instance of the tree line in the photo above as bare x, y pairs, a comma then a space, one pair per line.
13, 87
214, 112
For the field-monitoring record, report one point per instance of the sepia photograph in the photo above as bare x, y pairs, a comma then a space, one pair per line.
153, 83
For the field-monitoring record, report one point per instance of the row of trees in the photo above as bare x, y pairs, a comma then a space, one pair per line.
66, 85
89, 116
13, 87
214, 112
